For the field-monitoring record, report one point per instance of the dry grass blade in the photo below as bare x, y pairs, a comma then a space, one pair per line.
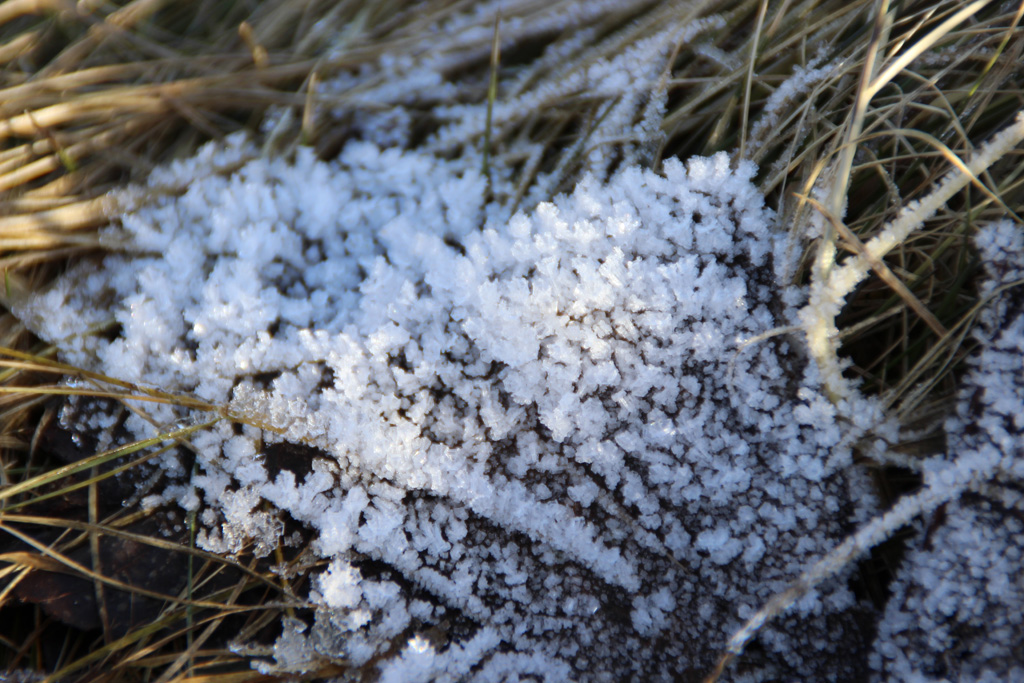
98, 459
837, 193
761, 12
126, 390
185, 658
238, 677
907, 396
79, 569
934, 36
89, 481
111, 529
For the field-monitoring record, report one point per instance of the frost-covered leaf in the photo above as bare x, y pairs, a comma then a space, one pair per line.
544, 431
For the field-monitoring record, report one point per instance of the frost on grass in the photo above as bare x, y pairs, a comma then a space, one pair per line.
956, 610
601, 68
533, 445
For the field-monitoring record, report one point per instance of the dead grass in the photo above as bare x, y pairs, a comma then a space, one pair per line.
93, 95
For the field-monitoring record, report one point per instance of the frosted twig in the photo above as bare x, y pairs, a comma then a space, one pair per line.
973, 464
837, 194
804, 85
881, 270
915, 214
942, 487
828, 293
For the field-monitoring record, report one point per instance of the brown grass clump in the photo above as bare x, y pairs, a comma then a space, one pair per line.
94, 95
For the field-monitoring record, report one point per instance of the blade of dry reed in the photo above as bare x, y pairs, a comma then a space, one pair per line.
99, 459
13, 9
921, 46
163, 544
84, 571
34, 229
27, 172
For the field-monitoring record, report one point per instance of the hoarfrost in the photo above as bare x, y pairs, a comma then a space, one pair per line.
546, 428
956, 612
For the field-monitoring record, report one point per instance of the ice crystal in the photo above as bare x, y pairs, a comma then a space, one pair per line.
956, 611
544, 433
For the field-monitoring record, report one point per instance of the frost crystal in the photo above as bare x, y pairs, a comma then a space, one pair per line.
956, 612
543, 433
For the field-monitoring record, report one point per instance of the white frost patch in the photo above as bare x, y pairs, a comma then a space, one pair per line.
546, 424
957, 611
339, 585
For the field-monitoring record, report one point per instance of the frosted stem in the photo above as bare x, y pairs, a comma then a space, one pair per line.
942, 485
829, 292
